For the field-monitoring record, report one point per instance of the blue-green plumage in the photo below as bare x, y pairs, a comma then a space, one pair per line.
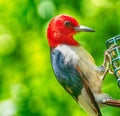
66, 74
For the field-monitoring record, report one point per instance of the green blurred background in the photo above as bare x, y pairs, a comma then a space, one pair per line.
27, 84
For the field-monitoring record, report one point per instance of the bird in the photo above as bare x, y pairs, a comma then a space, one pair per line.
75, 68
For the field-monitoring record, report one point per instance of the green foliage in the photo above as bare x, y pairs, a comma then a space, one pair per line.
27, 84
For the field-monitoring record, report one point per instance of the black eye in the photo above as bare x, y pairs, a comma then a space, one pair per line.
67, 23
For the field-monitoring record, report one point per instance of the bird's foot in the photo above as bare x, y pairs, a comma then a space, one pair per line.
107, 61
107, 55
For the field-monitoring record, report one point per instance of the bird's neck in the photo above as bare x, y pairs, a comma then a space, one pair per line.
69, 40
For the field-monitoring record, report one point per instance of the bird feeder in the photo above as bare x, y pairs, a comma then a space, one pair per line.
113, 44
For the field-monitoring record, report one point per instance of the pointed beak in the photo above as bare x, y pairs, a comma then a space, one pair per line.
82, 28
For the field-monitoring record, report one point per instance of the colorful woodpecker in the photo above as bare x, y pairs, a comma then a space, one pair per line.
75, 68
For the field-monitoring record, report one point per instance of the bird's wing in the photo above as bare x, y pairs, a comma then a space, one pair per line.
74, 81
87, 70
86, 98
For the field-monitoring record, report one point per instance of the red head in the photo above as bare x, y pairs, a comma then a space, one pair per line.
61, 30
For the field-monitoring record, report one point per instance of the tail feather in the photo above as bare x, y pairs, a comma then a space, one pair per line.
87, 105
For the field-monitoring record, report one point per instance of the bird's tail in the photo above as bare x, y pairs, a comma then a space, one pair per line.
82, 102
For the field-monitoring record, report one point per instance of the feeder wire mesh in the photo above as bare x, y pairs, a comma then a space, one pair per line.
115, 55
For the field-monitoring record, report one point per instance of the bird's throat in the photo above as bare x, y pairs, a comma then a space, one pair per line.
63, 40
70, 41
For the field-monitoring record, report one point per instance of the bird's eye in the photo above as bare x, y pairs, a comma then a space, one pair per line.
67, 23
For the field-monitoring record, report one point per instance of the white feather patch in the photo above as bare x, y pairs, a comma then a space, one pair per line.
69, 54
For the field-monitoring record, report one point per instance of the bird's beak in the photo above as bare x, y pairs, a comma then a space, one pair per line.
82, 28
